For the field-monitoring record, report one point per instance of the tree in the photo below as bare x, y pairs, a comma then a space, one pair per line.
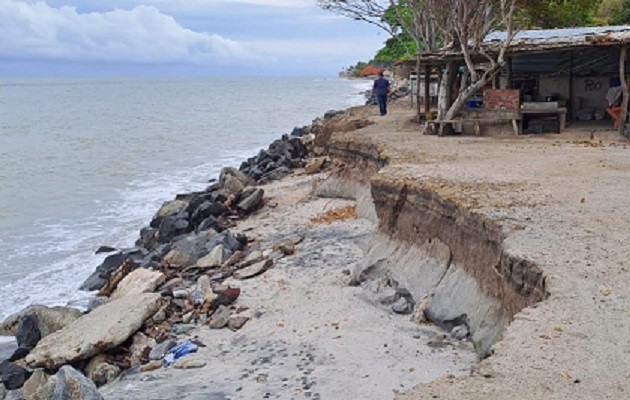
556, 13
621, 13
463, 24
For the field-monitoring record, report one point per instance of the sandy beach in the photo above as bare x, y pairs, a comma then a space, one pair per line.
312, 334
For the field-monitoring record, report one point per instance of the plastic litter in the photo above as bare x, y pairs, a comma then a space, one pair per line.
179, 351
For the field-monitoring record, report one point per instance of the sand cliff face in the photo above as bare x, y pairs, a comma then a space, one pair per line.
450, 259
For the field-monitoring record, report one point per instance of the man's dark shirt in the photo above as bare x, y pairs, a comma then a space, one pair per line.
381, 86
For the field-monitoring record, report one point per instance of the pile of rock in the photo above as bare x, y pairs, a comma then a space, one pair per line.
399, 90
148, 295
287, 153
153, 294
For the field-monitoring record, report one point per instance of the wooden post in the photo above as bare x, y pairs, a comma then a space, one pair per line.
624, 87
570, 102
427, 93
508, 84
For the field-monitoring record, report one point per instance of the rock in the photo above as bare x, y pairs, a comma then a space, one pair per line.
182, 329
168, 208
189, 363
250, 200
251, 258
147, 238
209, 223
14, 376
193, 246
232, 173
14, 395
402, 306
236, 322
220, 318
151, 366
286, 247
171, 227
140, 343
138, 281
20, 353
162, 349
3, 392
460, 332
204, 284
214, 259
225, 298
177, 258
100, 371
96, 302
105, 249
232, 186
315, 165
50, 319
418, 316
103, 329
159, 316
253, 270
38, 379
111, 263
28, 333
388, 296
181, 293
72, 385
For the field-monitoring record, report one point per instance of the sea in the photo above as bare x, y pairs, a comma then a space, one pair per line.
86, 162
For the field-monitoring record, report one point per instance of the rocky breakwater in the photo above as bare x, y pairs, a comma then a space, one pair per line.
149, 297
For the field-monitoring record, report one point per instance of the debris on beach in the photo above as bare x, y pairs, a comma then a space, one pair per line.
337, 214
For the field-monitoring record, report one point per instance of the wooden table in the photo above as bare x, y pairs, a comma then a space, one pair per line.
559, 112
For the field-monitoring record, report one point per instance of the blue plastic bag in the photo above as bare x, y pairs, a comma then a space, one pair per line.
179, 351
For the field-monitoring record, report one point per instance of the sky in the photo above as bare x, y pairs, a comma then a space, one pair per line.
179, 38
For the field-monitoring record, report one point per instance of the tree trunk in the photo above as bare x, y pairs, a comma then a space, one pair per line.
624, 86
464, 94
444, 93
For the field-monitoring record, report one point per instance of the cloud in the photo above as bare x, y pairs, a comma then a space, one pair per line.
139, 35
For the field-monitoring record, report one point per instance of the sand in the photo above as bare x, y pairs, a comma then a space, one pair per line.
311, 334
564, 203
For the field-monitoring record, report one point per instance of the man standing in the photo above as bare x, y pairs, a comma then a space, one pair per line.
381, 90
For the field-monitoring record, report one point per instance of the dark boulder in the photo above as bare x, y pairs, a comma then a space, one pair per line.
13, 376
147, 238
300, 131
105, 249
229, 242
111, 263
28, 333
20, 353
209, 223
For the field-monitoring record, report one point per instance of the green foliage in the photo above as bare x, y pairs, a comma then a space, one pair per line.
556, 13
355, 70
401, 47
620, 14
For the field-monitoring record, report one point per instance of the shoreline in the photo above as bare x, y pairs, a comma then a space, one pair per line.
450, 356
484, 238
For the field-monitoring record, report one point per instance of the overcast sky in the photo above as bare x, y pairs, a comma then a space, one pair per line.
179, 37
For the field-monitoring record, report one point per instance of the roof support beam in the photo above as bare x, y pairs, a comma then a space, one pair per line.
624, 86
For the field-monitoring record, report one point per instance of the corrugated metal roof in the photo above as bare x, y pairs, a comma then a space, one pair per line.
555, 34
